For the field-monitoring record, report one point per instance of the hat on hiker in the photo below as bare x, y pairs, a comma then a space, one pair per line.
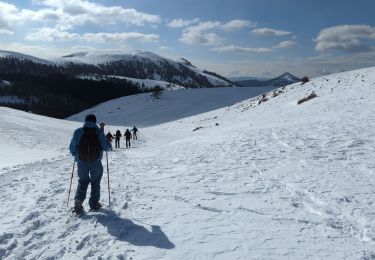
90, 118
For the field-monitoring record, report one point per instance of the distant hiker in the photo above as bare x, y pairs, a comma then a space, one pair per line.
87, 147
134, 130
102, 127
117, 138
110, 138
128, 136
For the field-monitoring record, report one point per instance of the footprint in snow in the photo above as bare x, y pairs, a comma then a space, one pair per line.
4, 239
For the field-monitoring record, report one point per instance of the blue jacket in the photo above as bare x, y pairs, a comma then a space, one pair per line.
77, 137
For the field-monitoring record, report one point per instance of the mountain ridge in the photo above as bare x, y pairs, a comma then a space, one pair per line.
81, 80
135, 64
280, 81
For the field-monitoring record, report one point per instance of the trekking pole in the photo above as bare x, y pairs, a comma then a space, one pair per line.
109, 190
70, 186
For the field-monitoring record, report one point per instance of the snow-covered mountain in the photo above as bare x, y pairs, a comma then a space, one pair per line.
23, 57
239, 78
265, 178
280, 81
137, 64
283, 80
78, 81
147, 65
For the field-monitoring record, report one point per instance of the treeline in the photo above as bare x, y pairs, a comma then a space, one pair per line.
144, 69
61, 96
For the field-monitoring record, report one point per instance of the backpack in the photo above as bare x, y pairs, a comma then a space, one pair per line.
89, 146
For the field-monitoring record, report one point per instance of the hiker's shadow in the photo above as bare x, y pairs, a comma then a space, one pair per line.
126, 230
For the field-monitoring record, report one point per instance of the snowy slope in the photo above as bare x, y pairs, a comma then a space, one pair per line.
148, 84
257, 180
93, 57
27, 138
21, 56
99, 58
143, 110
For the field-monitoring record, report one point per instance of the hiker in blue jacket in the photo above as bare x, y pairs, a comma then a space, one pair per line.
87, 147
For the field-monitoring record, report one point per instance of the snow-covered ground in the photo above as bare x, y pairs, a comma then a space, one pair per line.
145, 110
255, 180
26, 138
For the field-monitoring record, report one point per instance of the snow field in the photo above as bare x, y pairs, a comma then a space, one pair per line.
144, 110
274, 180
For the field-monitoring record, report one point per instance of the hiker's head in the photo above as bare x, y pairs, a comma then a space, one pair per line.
90, 118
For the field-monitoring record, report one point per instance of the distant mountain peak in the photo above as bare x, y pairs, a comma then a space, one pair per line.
289, 76
280, 81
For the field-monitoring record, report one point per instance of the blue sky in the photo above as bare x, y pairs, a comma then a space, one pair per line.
261, 38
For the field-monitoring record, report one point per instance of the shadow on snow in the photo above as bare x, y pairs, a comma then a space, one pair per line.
127, 231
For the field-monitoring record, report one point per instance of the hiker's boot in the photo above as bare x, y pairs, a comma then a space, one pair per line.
96, 206
78, 208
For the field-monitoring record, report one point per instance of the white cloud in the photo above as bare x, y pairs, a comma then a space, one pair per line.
286, 44
270, 32
198, 34
165, 48
119, 37
5, 31
80, 12
237, 24
7, 14
179, 23
10, 15
49, 52
51, 34
204, 26
54, 34
67, 14
236, 48
346, 38
193, 37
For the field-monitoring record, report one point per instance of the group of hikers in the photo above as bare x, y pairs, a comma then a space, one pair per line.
87, 146
117, 136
